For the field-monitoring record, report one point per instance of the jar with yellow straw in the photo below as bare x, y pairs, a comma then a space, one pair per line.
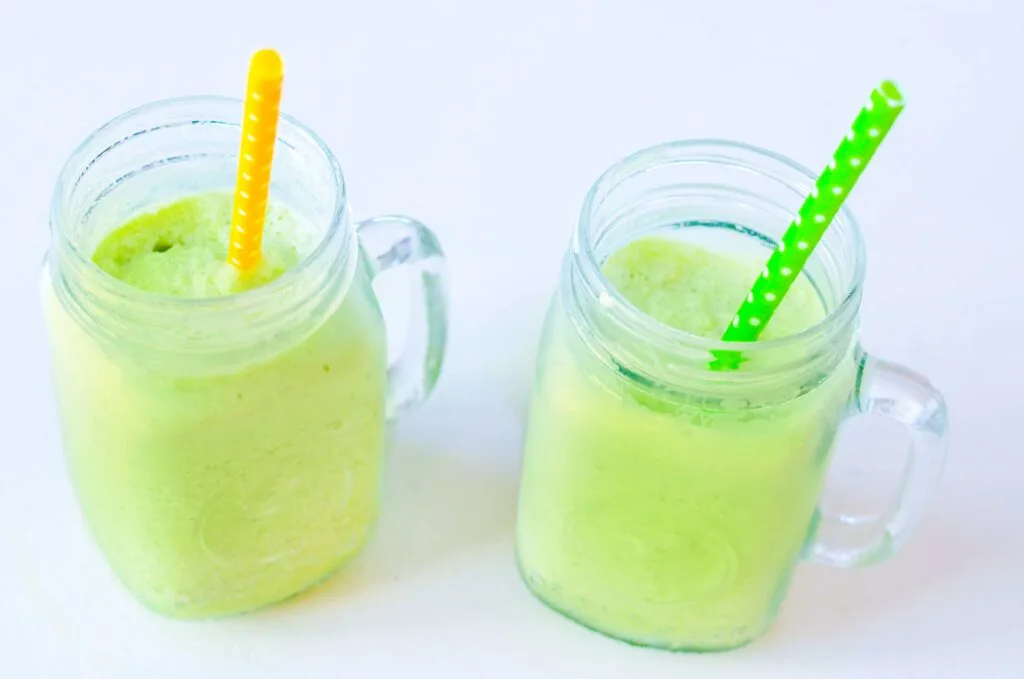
219, 356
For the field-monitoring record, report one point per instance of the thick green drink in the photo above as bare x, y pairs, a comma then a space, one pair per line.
667, 495
671, 520
223, 490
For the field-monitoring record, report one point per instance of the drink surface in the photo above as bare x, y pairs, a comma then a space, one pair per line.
180, 249
698, 290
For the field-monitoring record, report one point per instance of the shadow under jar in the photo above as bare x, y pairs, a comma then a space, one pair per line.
665, 503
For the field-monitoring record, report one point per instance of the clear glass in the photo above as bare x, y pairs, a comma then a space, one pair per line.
227, 452
667, 504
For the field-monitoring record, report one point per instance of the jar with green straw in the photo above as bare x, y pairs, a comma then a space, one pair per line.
682, 421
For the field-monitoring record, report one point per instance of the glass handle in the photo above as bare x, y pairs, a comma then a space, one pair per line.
394, 241
889, 390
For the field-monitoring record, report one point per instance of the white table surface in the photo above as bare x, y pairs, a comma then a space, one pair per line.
490, 124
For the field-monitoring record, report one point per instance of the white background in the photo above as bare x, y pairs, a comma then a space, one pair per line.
489, 121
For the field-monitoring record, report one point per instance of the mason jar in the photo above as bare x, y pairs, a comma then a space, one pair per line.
665, 502
227, 452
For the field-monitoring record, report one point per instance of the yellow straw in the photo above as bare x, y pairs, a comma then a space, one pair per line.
259, 131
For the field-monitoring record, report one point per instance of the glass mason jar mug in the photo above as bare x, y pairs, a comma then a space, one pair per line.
227, 451
665, 503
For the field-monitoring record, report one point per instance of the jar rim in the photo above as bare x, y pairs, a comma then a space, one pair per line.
710, 150
85, 154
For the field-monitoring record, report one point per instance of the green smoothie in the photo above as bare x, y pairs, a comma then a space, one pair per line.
216, 491
674, 526
180, 249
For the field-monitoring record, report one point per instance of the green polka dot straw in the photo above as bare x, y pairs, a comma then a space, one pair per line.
819, 209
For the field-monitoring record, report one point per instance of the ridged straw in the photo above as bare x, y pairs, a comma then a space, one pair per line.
259, 132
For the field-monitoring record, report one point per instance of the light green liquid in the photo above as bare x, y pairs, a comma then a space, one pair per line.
678, 525
181, 249
219, 492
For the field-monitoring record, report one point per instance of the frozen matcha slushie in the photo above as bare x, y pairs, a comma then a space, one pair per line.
671, 519
217, 490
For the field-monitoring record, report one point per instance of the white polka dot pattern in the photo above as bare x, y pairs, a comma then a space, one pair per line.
817, 212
